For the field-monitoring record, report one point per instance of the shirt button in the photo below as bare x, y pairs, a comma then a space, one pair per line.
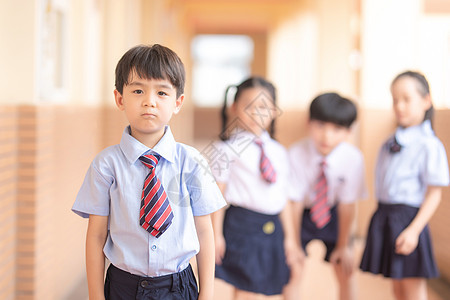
154, 247
144, 283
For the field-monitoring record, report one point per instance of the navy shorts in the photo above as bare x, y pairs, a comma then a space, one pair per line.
254, 259
379, 256
121, 285
328, 234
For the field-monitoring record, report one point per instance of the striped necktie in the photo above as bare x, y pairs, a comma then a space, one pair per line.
268, 173
320, 211
155, 214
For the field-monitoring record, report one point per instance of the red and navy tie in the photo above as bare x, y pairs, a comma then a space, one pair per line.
320, 211
156, 214
268, 173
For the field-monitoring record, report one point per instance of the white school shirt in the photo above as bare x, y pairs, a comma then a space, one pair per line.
403, 177
113, 187
236, 164
344, 171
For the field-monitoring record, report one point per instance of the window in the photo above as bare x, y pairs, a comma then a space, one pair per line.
218, 61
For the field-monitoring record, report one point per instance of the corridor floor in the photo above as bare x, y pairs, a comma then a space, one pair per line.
319, 282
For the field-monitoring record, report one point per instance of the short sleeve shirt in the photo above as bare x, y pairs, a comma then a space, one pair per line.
403, 177
236, 163
344, 170
113, 186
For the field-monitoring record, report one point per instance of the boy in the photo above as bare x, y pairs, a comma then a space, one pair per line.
327, 180
147, 199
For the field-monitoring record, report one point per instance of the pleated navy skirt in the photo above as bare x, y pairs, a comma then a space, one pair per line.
254, 259
379, 255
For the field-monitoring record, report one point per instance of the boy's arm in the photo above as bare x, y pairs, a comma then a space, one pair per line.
95, 259
408, 239
341, 254
205, 257
217, 222
297, 216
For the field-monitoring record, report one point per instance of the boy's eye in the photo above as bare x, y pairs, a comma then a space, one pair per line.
161, 93
138, 92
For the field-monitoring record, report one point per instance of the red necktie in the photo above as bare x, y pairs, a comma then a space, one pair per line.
155, 214
267, 171
320, 211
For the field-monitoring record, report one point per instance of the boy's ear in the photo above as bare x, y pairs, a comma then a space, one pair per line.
427, 102
178, 104
119, 99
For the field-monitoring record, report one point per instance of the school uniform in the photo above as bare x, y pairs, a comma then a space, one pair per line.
254, 260
344, 172
408, 162
113, 187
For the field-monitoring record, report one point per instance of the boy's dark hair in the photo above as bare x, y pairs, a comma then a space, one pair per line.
151, 62
333, 108
251, 82
422, 87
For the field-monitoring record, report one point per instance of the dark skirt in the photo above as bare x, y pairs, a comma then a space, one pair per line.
379, 255
254, 259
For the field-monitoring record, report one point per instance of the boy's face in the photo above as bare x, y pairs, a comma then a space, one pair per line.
326, 135
148, 105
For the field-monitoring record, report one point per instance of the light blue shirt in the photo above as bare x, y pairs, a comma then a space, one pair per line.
113, 186
403, 177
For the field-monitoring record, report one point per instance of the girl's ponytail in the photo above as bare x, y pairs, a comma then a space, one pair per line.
251, 82
224, 115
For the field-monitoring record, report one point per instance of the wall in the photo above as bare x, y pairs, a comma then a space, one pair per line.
440, 223
48, 236
8, 209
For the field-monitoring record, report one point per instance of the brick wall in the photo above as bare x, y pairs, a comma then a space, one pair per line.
440, 223
8, 162
44, 153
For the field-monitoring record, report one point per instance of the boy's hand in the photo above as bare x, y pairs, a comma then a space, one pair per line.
294, 253
220, 246
343, 259
406, 242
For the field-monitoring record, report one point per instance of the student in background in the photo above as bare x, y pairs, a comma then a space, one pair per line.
327, 178
411, 170
254, 235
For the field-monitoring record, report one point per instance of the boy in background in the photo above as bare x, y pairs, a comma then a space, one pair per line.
327, 180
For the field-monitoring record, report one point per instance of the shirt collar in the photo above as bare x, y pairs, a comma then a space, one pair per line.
317, 158
409, 135
244, 134
133, 149
264, 137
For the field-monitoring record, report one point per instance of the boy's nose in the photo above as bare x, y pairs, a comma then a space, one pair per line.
150, 101
327, 135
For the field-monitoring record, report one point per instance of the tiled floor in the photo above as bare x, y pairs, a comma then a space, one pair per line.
319, 282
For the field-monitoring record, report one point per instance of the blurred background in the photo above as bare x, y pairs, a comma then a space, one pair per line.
57, 111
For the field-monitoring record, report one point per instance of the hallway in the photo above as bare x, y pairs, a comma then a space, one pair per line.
57, 108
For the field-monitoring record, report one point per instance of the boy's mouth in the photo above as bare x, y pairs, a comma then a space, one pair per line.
149, 115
